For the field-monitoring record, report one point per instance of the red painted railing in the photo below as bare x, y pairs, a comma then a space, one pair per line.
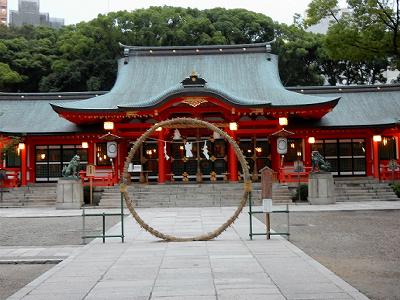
387, 174
101, 178
287, 174
12, 178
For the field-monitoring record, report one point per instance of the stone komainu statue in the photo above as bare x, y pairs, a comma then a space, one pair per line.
318, 163
71, 170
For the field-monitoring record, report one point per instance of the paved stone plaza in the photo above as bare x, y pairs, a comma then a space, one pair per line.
230, 267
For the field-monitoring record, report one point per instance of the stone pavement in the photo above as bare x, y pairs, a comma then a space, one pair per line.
48, 212
36, 255
346, 206
51, 211
230, 267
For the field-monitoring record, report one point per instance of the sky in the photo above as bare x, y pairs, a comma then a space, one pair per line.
74, 11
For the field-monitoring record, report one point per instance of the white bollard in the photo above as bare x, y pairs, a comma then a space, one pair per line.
267, 205
267, 208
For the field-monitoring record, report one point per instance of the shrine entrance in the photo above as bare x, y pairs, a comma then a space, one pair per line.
198, 167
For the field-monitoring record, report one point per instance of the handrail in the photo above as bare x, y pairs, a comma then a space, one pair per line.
12, 178
288, 174
106, 178
388, 174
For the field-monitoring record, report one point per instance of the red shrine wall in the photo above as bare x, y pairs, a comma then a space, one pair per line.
350, 152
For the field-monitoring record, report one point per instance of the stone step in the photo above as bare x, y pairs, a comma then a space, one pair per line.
276, 198
280, 192
10, 205
40, 200
49, 196
32, 196
352, 192
200, 194
366, 198
281, 201
363, 189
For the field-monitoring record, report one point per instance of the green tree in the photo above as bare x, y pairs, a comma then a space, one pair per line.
87, 51
83, 56
298, 53
362, 42
29, 51
8, 76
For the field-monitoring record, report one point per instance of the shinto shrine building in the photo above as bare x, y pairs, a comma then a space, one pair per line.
236, 87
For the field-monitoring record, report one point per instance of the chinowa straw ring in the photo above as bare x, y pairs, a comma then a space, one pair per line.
189, 123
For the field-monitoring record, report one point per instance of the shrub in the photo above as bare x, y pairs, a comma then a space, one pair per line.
86, 194
396, 188
303, 189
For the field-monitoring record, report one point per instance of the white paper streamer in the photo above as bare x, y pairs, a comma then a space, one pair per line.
188, 149
165, 151
205, 150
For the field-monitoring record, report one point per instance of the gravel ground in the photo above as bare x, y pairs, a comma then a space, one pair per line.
50, 231
40, 232
362, 247
15, 277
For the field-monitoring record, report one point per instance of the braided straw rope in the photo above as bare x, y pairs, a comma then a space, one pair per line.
189, 123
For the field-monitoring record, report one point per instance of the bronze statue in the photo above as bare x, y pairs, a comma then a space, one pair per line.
71, 170
318, 163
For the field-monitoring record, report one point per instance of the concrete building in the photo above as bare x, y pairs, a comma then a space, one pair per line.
3, 12
323, 26
29, 13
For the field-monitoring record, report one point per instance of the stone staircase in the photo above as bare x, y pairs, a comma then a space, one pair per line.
181, 195
363, 189
281, 194
37, 195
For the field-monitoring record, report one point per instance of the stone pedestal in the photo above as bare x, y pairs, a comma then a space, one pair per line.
69, 194
321, 188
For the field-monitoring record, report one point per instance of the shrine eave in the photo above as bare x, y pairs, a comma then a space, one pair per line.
87, 116
62, 109
197, 92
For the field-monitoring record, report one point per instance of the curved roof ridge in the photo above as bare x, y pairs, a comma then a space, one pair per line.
194, 47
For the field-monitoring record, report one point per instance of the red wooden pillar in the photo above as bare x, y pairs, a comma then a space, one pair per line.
116, 166
24, 166
275, 157
369, 148
90, 153
307, 152
397, 136
161, 157
375, 157
31, 162
232, 160
1, 156
122, 154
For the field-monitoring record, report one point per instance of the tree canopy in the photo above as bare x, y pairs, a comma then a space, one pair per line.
83, 56
364, 39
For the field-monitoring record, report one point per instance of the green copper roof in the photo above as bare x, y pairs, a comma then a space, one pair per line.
32, 116
364, 109
243, 76
358, 106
